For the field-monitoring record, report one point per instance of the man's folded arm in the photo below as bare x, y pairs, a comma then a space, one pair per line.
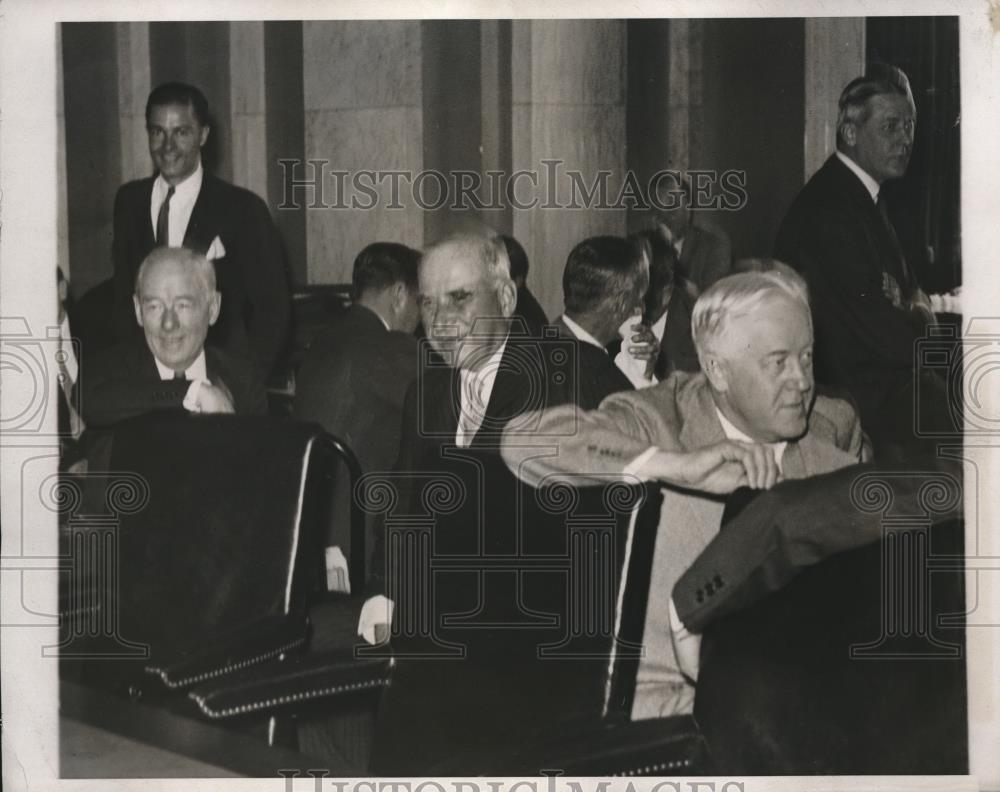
592, 446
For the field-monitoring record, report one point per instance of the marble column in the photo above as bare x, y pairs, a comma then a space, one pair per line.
835, 55
247, 106
363, 111
568, 98
133, 91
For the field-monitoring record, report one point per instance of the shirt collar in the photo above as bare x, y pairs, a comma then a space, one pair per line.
660, 325
480, 382
380, 317
870, 184
733, 433
581, 334
196, 371
187, 190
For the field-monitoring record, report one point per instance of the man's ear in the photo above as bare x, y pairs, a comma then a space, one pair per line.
204, 136
849, 132
508, 297
138, 309
715, 369
400, 295
214, 306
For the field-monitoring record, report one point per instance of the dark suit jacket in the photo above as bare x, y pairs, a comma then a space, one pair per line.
677, 352
122, 382
533, 374
352, 382
598, 376
835, 236
528, 308
795, 525
251, 276
856, 665
706, 256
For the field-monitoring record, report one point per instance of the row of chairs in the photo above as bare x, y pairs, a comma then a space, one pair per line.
195, 583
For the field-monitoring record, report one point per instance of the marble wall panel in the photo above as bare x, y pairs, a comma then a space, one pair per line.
361, 64
579, 61
248, 106
835, 55
377, 139
133, 90
569, 105
363, 111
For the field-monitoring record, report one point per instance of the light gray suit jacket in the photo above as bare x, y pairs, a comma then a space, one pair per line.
678, 414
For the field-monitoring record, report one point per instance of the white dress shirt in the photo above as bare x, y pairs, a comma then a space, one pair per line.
181, 204
629, 364
475, 389
581, 334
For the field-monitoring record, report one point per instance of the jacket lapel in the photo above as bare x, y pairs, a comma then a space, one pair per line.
203, 226
879, 235
147, 237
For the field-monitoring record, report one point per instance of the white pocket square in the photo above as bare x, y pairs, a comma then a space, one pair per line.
216, 250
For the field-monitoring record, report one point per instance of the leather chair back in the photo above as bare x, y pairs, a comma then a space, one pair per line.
517, 610
214, 569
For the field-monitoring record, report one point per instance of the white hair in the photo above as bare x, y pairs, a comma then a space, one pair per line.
202, 267
740, 295
489, 250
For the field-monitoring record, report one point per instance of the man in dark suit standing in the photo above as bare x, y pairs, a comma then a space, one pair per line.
867, 306
184, 205
175, 303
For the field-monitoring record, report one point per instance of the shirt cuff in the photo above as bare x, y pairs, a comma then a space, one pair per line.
687, 645
634, 369
376, 610
635, 467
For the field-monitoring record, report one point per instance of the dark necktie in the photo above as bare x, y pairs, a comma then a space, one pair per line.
163, 221
883, 211
179, 375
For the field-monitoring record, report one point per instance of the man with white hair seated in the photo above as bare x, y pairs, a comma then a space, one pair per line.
755, 393
176, 302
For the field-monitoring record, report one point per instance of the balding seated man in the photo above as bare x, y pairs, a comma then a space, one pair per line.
754, 400
176, 302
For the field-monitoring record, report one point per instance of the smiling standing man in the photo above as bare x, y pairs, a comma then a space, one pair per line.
868, 308
182, 204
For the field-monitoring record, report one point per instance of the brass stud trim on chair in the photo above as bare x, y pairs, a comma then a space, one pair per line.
656, 769
164, 673
304, 695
